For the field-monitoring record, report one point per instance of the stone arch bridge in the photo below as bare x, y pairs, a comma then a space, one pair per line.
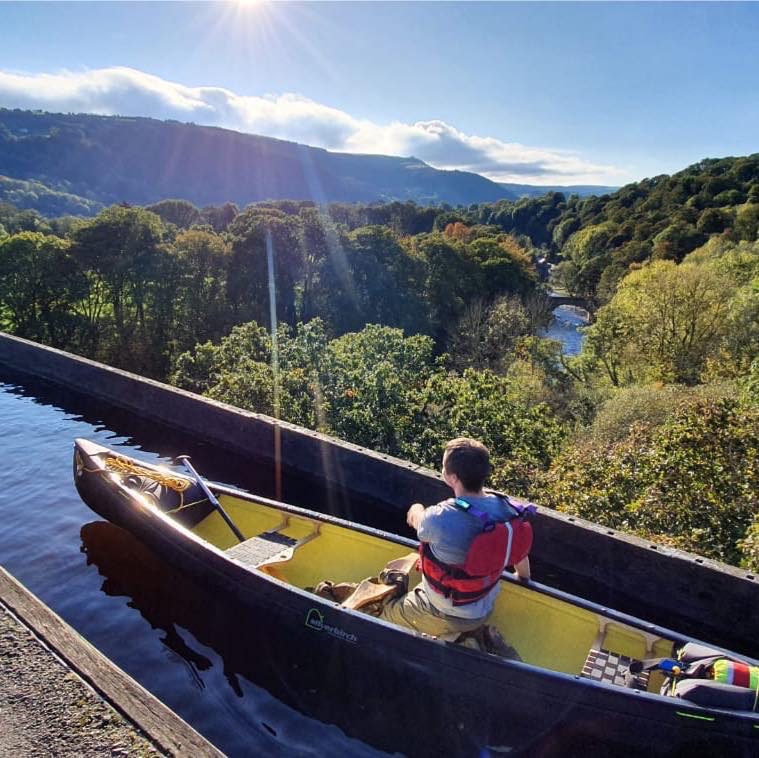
578, 302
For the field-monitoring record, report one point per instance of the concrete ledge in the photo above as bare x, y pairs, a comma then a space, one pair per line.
692, 595
161, 725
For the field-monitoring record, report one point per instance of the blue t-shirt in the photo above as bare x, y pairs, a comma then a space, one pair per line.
450, 531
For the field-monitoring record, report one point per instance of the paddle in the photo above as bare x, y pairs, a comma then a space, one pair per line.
185, 459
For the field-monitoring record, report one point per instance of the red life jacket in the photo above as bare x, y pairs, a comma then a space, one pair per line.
499, 544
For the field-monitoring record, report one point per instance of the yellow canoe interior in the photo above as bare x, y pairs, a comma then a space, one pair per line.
547, 631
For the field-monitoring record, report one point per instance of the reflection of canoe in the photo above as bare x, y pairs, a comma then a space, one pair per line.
436, 693
290, 680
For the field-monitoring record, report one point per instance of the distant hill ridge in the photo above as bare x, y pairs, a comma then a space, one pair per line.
533, 190
111, 159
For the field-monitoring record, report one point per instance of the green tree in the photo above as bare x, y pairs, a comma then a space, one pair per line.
522, 439
713, 221
452, 278
588, 243
485, 337
120, 246
202, 309
39, 285
374, 388
676, 241
372, 381
241, 370
663, 323
387, 278
588, 250
750, 547
219, 218
747, 222
181, 213
320, 242
564, 230
505, 266
691, 482
256, 234
132, 273
565, 277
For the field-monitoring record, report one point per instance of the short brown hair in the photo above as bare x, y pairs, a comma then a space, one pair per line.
469, 460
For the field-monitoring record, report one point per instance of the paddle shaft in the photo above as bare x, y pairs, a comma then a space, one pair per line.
211, 497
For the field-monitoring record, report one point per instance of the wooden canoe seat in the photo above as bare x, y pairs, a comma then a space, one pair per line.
603, 665
368, 592
606, 666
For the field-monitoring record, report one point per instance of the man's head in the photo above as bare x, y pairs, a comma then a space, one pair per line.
468, 460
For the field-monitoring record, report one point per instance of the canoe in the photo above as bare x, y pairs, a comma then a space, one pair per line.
566, 693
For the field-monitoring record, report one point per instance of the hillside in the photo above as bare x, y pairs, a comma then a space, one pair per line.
50, 203
595, 240
141, 161
400, 326
109, 159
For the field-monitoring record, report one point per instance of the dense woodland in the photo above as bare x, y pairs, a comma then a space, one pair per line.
398, 326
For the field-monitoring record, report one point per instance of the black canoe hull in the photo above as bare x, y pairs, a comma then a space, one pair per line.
438, 697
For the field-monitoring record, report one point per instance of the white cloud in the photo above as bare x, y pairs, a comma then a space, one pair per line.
129, 92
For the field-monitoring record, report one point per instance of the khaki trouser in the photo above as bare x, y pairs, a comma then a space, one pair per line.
415, 611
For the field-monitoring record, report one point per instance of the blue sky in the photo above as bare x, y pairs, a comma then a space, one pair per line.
525, 92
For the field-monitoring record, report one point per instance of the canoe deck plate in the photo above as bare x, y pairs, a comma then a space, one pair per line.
605, 666
258, 549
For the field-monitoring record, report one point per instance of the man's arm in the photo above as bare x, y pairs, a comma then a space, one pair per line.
523, 568
415, 515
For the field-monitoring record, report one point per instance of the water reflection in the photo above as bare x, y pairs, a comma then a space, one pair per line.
204, 632
158, 443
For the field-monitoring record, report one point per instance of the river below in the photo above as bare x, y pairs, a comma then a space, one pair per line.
565, 328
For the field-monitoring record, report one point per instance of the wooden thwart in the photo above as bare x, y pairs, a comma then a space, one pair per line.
270, 549
367, 592
403, 565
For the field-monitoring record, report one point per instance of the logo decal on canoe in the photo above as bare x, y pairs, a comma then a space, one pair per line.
315, 621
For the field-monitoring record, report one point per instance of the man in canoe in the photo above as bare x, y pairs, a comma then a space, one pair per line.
466, 542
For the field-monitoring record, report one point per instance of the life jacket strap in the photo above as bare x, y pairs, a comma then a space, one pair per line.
518, 510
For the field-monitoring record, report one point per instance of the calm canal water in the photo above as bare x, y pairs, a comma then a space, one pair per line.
186, 648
